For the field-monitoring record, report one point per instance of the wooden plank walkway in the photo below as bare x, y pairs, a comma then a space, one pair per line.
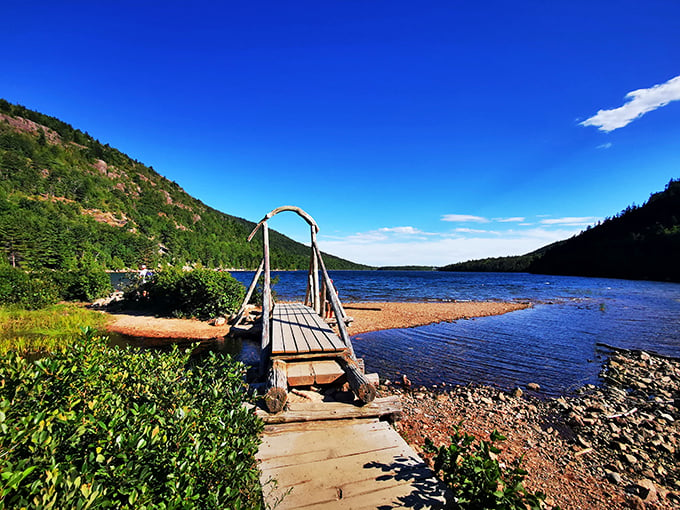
344, 464
298, 329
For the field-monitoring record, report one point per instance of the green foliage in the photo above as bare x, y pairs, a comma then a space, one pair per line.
201, 293
31, 291
478, 481
65, 196
84, 284
640, 243
48, 329
99, 427
513, 264
34, 290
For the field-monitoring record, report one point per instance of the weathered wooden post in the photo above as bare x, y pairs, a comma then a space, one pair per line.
315, 271
249, 293
361, 386
266, 302
277, 383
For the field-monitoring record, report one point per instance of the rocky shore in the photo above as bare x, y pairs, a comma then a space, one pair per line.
613, 446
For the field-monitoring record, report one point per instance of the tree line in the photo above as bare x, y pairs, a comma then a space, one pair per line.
639, 243
65, 197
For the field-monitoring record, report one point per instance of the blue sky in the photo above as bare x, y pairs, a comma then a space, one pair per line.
424, 132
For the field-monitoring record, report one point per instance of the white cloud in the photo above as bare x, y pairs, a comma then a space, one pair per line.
640, 102
463, 230
516, 219
401, 230
570, 221
604, 145
443, 249
464, 218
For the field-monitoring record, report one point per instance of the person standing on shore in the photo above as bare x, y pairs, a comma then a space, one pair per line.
144, 273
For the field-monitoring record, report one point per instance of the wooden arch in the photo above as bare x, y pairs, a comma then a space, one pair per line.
319, 293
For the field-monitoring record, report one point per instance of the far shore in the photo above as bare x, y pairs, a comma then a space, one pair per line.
368, 316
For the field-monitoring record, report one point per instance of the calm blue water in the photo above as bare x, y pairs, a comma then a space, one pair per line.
553, 343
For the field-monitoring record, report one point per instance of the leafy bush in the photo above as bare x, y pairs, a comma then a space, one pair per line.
85, 284
472, 471
39, 289
201, 293
100, 427
30, 291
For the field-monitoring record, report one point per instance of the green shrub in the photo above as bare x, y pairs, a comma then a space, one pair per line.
472, 471
100, 427
201, 293
26, 290
86, 284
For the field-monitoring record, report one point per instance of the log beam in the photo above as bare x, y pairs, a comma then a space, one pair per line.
277, 384
358, 382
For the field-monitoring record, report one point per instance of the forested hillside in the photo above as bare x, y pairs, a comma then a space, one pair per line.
66, 198
641, 243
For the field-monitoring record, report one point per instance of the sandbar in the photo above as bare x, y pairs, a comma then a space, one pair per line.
368, 316
377, 316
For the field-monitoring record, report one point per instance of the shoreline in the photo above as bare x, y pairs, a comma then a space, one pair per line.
368, 316
613, 446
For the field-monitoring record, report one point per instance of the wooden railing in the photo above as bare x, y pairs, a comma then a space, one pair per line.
316, 295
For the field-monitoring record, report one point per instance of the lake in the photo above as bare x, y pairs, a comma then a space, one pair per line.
553, 343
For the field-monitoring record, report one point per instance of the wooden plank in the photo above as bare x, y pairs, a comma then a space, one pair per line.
337, 306
345, 464
327, 338
309, 355
284, 340
297, 329
327, 371
287, 452
277, 332
316, 337
311, 411
314, 372
305, 337
300, 374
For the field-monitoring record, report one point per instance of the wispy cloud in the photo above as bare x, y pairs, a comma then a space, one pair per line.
640, 102
571, 221
604, 145
401, 230
515, 219
463, 230
464, 218
439, 250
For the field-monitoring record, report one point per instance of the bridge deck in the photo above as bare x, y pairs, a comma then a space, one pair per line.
340, 464
298, 329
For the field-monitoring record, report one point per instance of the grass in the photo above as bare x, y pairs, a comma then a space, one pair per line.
51, 328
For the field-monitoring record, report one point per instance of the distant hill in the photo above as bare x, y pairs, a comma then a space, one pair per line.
66, 197
640, 243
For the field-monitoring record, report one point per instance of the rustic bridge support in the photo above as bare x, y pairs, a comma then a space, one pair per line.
283, 336
277, 383
358, 382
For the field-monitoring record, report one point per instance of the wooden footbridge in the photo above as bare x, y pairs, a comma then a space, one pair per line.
326, 452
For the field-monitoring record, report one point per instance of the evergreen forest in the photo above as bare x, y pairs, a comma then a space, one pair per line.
639, 243
68, 200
